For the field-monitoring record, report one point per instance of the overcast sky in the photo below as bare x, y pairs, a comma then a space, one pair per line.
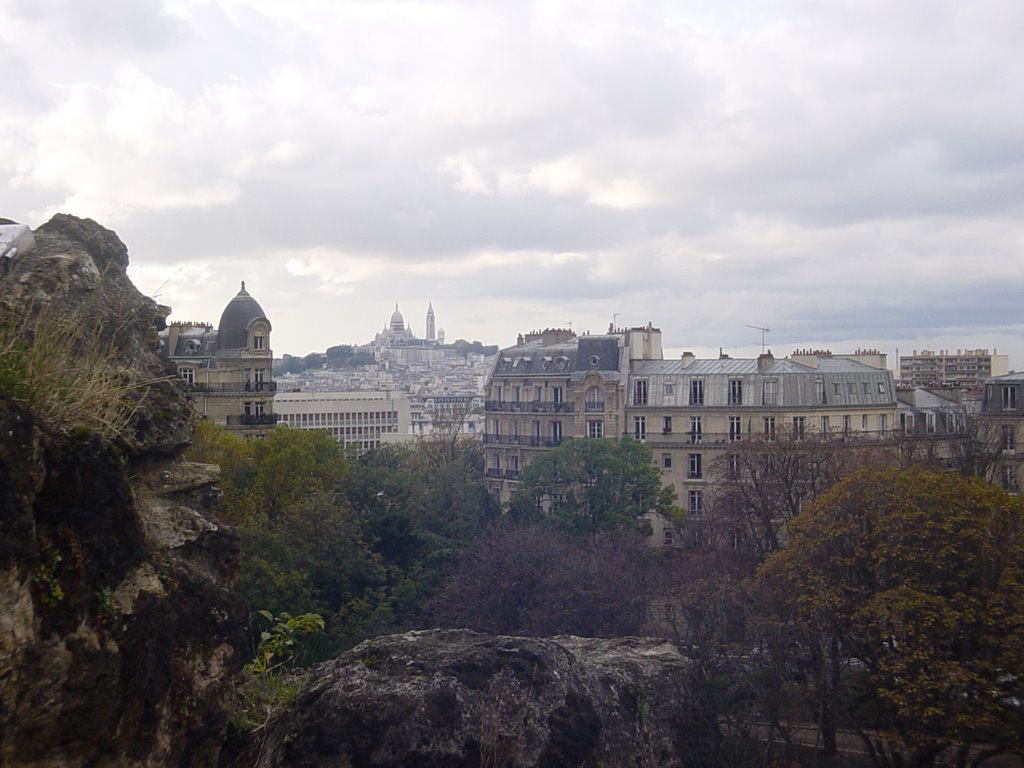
847, 174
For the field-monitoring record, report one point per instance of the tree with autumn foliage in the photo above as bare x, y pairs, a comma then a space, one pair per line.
918, 577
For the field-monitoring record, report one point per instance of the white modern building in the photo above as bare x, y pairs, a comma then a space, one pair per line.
361, 420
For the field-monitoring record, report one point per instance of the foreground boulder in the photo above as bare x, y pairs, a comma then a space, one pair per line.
119, 633
457, 698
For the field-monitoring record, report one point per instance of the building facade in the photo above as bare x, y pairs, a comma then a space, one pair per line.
360, 421
1002, 410
967, 369
553, 386
227, 368
692, 413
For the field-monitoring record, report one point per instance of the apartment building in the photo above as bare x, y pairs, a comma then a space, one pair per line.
691, 412
1002, 410
552, 386
227, 368
967, 369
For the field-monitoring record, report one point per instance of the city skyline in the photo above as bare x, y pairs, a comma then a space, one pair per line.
848, 176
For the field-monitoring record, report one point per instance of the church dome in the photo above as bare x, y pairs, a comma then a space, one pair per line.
234, 321
397, 321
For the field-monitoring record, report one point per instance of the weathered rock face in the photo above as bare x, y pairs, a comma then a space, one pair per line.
457, 698
118, 630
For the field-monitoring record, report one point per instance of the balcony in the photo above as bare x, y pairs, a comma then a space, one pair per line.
523, 440
253, 420
527, 406
225, 388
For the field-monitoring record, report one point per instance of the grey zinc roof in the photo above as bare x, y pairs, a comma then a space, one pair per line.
575, 356
738, 366
235, 320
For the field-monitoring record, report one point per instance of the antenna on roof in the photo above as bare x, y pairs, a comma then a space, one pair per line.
763, 332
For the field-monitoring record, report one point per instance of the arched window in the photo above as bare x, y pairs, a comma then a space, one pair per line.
595, 399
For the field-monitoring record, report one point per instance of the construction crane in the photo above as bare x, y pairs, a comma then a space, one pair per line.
763, 331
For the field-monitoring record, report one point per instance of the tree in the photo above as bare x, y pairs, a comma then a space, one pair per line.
531, 580
593, 485
919, 577
765, 483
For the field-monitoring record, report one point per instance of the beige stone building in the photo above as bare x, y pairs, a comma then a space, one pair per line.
553, 386
1002, 411
692, 412
228, 368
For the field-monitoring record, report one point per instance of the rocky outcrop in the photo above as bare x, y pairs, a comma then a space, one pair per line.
457, 698
118, 629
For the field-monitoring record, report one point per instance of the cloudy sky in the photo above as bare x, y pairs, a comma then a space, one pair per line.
847, 174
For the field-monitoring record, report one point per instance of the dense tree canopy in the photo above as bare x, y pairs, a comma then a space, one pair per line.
918, 576
363, 541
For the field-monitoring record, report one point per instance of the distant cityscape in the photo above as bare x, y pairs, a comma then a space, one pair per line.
554, 385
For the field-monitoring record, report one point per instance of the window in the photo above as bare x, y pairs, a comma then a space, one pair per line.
640, 392
929, 420
538, 394
867, 387
1009, 394
695, 471
851, 388
515, 394
667, 532
696, 429
881, 387
247, 408
768, 427
824, 427
907, 423
595, 429
536, 432
557, 394
189, 375
770, 392
819, 390
864, 422
734, 464
735, 431
837, 388
496, 461
696, 503
1009, 478
666, 461
1009, 437
735, 391
258, 408
799, 427
258, 342
513, 462
667, 426
846, 425
640, 427
883, 424
670, 390
595, 399
556, 432
697, 392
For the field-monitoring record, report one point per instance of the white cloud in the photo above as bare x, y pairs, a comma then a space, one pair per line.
799, 165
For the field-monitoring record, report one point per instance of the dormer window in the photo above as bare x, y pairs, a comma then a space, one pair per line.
259, 341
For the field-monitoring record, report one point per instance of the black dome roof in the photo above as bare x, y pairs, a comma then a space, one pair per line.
235, 320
